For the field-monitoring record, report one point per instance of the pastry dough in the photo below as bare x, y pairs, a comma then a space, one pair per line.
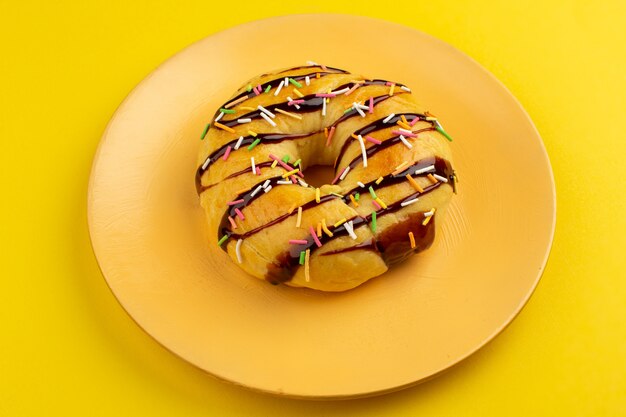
393, 165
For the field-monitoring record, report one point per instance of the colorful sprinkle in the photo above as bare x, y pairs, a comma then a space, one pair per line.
256, 191
388, 118
294, 82
349, 226
239, 214
325, 228
293, 171
375, 203
226, 153
298, 242
412, 240
443, 132
266, 111
391, 88
302, 255
405, 88
330, 135
238, 144
286, 113
232, 222
430, 213
204, 132
253, 165
405, 142
326, 95
440, 178
408, 202
238, 250
340, 222
360, 184
432, 179
403, 125
315, 238
268, 120
222, 240
371, 105
363, 152
319, 229
224, 127
354, 201
425, 169
298, 93
415, 120
337, 92
373, 224
344, 173
233, 103
317, 195
299, 218
258, 171
357, 196
253, 144
379, 180
414, 183
249, 88
381, 202
307, 276
280, 86
245, 120
323, 107
356, 107
372, 193
354, 87
235, 202
307, 80
268, 88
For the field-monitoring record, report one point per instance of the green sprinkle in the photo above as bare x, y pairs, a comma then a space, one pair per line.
253, 144
222, 240
285, 158
206, 129
373, 193
249, 88
295, 164
228, 111
268, 88
443, 132
347, 110
357, 196
294, 82
302, 255
374, 221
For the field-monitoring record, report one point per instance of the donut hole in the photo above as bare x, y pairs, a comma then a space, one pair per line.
319, 175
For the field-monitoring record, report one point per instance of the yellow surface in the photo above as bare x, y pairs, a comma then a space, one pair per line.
67, 348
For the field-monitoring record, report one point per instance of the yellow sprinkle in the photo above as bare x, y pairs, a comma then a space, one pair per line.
356, 204
319, 229
354, 136
317, 75
430, 119
293, 171
247, 108
274, 163
391, 87
286, 113
340, 222
224, 127
404, 119
291, 209
381, 202
317, 195
252, 133
432, 179
426, 220
326, 132
414, 183
379, 180
412, 239
327, 100
325, 228
239, 100
299, 218
298, 93
404, 125
307, 255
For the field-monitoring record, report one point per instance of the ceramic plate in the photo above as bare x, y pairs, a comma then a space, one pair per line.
410, 324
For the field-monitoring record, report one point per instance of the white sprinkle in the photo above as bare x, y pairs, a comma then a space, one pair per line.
406, 142
302, 183
343, 90
278, 89
423, 170
363, 152
323, 106
405, 88
283, 182
440, 178
295, 105
238, 250
350, 229
268, 120
238, 144
266, 183
407, 202
405, 131
362, 107
355, 107
246, 120
307, 80
312, 63
266, 111
217, 119
259, 188
429, 213
286, 81
253, 165
386, 119
206, 163
344, 173
360, 184
267, 189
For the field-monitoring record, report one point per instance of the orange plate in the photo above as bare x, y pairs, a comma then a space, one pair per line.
415, 321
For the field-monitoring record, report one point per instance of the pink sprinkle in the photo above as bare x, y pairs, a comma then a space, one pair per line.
405, 134
240, 214
258, 87
330, 135
338, 175
371, 105
258, 171
235, 202
417, 119
293, 102
298, 242
255, 91
293, 179
371, 139
376, 204
389, 83
317, 241
354, 87
324, 67
226, 153
232, 222
330, 95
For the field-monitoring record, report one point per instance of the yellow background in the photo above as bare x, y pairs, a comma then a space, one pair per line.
66, 346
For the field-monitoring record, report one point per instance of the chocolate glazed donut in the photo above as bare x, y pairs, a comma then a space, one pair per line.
393, 169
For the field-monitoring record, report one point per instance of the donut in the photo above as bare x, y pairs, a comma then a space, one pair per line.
393, 167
